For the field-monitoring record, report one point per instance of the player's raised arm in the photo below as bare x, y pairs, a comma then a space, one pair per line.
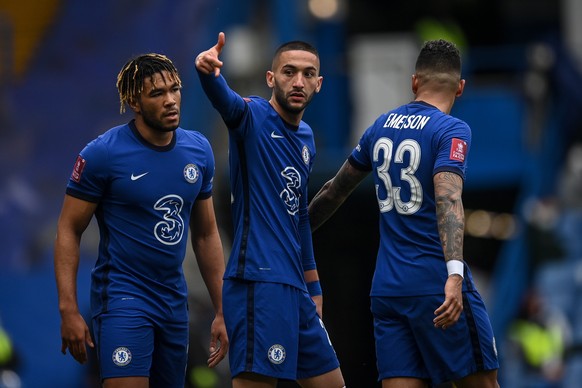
207, 61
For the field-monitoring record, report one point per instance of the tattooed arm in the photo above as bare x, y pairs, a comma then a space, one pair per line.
448, 188
333, 193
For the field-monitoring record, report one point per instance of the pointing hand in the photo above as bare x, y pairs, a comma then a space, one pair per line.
207, 61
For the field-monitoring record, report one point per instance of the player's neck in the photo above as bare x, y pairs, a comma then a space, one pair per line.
291, 118
442, 102
153, 136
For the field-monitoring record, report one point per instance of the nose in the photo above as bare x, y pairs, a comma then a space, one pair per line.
170, 99
299, 81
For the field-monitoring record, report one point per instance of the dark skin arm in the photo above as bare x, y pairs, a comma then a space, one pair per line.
207, 247
333, 194
74, 219
451, 225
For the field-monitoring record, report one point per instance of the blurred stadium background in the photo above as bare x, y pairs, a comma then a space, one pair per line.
523, 64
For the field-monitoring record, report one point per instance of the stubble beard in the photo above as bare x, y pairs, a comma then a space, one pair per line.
283, 102
157, 125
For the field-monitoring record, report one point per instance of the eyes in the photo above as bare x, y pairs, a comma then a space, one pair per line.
159, 92
290, 72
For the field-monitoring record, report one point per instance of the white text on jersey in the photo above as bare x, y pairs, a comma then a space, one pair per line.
399, 121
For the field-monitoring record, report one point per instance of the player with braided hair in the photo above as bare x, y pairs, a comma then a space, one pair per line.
147, 182
130, 80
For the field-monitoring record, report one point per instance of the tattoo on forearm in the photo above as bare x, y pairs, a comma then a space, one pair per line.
450, 214
333, 193
318, 212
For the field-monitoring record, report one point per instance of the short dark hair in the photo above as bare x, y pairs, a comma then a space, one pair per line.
131, 78
295, 45
439, 56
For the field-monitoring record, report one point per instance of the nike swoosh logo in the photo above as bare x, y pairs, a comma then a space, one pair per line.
275, 136
136, 177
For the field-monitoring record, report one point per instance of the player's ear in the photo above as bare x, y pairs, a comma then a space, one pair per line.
460, 88
414, 84
319, 83
270, 76
133, 104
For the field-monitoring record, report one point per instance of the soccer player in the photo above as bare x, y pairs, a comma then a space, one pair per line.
271, 296
147, 182
430, 322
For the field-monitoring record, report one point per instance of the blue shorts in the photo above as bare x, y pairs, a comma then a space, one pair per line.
274, 330
130, 343
408, 344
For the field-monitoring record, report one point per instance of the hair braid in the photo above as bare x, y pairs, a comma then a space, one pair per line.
130, 79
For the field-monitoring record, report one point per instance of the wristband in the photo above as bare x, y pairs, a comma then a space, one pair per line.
455, 267
314, 288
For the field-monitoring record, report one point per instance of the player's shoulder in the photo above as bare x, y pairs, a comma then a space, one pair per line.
258, 105
108, 139
260, 110
450, 122
114, 132
191, 136
190, 133
303, 126
256, 102
256, 99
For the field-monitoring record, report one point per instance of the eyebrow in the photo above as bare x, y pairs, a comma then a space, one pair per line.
297, 67
171, 86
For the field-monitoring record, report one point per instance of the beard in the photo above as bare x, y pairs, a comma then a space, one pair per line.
157, 124
283, 102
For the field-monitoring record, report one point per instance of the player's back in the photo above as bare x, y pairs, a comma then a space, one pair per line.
405, 148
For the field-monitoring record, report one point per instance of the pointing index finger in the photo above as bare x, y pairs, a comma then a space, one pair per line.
220, 43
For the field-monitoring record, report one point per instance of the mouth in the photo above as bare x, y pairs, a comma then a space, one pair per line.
296, 96
172, 115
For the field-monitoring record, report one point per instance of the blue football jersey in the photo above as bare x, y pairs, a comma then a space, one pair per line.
270, 162
145, 196
405, 148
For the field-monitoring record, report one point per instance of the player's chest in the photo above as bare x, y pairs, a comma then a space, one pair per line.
148, 177
279, 148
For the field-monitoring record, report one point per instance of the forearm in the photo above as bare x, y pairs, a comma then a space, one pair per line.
66, 263
210, 259
333, 194
323, 205
450, 214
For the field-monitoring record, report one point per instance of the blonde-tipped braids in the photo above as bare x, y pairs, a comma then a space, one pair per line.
130, 79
